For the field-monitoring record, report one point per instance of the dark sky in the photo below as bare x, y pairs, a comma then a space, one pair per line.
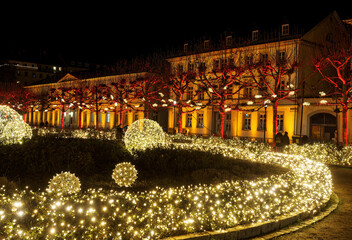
106, 32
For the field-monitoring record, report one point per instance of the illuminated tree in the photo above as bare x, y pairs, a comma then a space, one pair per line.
271, 78
150, 91
120, 93
97, 96
221, 85
333, 63
79, 96
183, 96
61, 98
15, 96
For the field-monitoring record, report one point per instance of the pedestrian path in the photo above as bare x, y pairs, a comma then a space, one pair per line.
338, 224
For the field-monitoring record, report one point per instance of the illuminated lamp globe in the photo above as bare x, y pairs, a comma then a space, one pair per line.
124, 174
12, 127
143, 134
64, 183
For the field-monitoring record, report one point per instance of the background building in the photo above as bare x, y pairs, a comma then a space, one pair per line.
247, 106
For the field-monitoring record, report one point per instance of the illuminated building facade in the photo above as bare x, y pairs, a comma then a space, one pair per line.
248, 111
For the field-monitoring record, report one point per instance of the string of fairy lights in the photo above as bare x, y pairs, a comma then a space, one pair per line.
163, 212
12, 127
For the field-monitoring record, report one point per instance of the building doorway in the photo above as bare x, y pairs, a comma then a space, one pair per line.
322, 127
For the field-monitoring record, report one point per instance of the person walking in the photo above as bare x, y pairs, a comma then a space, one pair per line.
285, 139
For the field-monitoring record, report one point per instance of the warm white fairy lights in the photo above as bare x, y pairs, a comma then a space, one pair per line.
64, 183
12, 127
162, 212
124, 174
143, 134
327, 153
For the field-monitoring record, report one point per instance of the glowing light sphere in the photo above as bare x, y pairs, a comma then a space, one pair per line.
64, 183
124, 174
12, 127
143, 134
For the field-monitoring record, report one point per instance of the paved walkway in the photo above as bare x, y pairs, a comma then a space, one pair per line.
338, 225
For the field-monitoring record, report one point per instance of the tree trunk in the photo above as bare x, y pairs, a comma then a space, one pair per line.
344, 125
146, 111
275, 104
222, 115
180, 121
62, 118
97, 118
121, 115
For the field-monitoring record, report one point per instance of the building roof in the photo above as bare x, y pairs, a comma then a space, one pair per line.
269, 30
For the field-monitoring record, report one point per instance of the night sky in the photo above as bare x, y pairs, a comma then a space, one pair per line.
108, 32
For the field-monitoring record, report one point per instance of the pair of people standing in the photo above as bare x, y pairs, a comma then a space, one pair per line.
282, 140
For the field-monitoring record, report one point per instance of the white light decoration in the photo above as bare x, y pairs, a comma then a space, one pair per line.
143, 134
64, 183
12, 127
322, 93
163, 212
124, 174
267, 101
323, 101
306, 104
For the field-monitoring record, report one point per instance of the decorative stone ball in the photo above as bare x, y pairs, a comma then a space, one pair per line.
124, 174
12, 127
64, 183
143, 134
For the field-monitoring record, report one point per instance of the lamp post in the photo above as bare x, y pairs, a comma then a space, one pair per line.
337, 110
265, 107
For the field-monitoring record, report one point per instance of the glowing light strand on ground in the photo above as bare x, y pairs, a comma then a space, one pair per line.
163, 212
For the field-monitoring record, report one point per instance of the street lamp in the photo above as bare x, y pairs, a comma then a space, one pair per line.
265, 107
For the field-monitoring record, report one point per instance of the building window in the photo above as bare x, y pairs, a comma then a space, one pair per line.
202, 67
189, 120
264, 58
135, 117
255, 35
247, 121
282, 56
285, 29
280, 122
229, 92
247, 92
108, 117
200, 94
190, 67
262, 122
189, 93
216, 64
200, 120
180, 68
249, 60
